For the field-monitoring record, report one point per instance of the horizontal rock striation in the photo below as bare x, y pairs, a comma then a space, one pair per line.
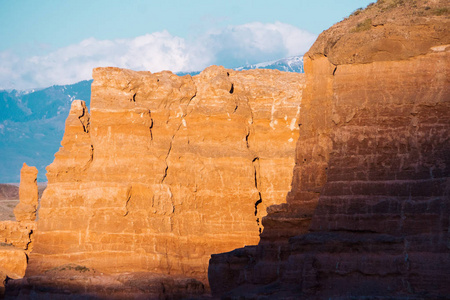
369, 210
166, 170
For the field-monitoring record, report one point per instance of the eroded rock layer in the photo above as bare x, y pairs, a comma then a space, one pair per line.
165, 170
369, 210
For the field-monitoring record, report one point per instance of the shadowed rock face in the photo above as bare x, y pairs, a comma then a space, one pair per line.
73, 281
369, 209
166, 170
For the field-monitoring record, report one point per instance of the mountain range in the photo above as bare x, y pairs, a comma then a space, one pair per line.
32, 121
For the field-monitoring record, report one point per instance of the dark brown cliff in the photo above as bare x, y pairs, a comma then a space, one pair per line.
369, 210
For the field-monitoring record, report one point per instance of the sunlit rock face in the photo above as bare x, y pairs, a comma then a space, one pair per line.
369, 209
165, 170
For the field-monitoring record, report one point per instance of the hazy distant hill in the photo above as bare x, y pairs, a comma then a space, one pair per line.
32, 126
32, 122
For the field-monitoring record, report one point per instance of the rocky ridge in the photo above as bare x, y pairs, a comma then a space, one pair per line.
32, 121
369, 210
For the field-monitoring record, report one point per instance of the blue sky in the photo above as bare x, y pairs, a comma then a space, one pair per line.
49, 42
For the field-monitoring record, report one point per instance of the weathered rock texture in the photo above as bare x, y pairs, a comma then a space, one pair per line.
166, 170
16, 236
13, 262
369, 209
15, 244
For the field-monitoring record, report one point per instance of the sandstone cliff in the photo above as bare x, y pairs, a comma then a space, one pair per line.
165, 170
369, 209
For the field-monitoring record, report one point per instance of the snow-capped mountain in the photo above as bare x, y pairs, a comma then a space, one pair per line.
290, 64
32, 121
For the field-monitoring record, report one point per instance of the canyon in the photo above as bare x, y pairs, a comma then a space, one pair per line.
333, 184
369, 210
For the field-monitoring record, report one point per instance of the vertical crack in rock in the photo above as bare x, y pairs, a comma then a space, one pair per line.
246, 138
29, 241
250, 125
85, 119
151, 125
166, 162
127, 200
173, 137
256, 169
91, 158
256, 166
167, 156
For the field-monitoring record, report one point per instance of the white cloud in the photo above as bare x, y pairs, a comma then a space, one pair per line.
232, 46
256, 42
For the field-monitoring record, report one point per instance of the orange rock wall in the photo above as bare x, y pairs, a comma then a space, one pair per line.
166, 170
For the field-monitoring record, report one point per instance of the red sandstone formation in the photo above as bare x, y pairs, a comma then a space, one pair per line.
166, 170
369, 210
